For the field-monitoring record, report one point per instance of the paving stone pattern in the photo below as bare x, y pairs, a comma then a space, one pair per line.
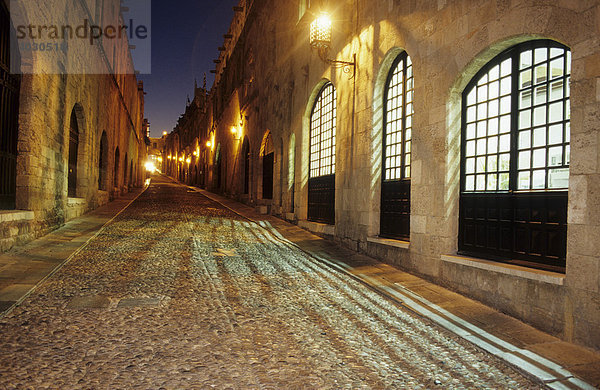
179, 292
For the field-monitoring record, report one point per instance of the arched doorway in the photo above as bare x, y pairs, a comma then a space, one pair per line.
217, 166
9, 126
292, 171
246, 158
116, 175
267, 154
103, 162
125, 166
73, 151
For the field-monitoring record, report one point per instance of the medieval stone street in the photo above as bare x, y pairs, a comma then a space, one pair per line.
180, 292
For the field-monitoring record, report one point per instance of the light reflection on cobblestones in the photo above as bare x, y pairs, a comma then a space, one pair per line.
213, 300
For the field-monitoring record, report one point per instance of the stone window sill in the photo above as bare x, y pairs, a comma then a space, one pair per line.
75, 201
316, 227
389, 242
507, 269
16, 215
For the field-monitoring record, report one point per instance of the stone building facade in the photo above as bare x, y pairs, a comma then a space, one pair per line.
462, 145
75, 140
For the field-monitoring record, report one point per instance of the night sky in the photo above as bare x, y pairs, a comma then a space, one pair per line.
185, 37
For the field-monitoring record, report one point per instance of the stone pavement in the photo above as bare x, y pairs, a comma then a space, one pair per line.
23, 268
178, 291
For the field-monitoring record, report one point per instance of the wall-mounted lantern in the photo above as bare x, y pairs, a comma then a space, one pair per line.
236, 133
320, 32
320, 39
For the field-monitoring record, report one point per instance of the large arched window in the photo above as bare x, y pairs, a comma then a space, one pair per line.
398, 116
103, 162
515, 157
73, 154
9, 101
321, 181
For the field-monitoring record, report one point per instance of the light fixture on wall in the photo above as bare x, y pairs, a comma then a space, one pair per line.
235, 132
189, 160
208, 144
320, 39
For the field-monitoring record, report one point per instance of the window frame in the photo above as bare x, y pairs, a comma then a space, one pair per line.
524, 227
514, 53
403, 154
320, 165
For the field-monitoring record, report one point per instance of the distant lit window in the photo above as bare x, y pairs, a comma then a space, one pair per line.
303, 6
322, 133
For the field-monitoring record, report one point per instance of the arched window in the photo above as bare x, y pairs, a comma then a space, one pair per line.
73, 151
321, 180
515, 157
267, 156
398, 116
103, 162
116, 173
9, 101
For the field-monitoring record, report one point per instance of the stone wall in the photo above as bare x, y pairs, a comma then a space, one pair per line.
107, 102
273, 89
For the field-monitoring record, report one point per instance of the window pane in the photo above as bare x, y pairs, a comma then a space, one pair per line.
539, 179
524, 180
525, 139
539, 158
555, 156
470, 165
556, 135
558, 178
524, 160
526, 59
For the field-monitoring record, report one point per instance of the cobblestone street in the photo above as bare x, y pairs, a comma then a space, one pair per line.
180, 292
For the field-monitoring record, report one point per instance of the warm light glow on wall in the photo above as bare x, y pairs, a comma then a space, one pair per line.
189, 160
208, 144
236, 133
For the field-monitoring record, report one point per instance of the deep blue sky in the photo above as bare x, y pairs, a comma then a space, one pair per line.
185, 37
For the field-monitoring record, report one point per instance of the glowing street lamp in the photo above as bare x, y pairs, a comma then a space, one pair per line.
320, 32
320, 39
